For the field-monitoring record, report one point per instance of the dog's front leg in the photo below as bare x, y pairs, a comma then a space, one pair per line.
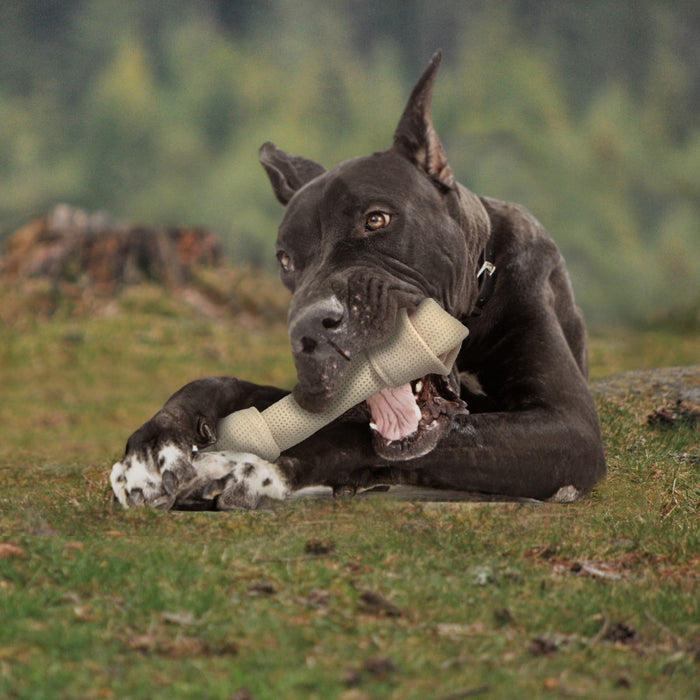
158, 460
531, 453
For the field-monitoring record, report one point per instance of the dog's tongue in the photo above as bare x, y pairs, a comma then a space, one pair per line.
395, 413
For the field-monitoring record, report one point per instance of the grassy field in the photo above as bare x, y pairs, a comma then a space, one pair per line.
321, 599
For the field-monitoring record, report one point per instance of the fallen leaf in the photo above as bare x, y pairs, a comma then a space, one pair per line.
174, 618
241, 694
71, 598
503, 617
83, 613
483, 575
183, 647
379, 667
351, 677
541, 646
602, 571
8, 550
453, 629
262, 588
174, 648
318, 598
319, 547
376, 604
622, 633
353, 694
143, 642
540, 552
73, 546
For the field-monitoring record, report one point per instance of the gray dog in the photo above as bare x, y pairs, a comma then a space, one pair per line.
357, 242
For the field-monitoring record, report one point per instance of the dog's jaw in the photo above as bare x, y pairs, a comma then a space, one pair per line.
437, 404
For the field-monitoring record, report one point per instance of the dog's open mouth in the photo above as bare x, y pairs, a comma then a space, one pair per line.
408, 422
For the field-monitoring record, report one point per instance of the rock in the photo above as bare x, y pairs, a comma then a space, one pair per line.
667, 383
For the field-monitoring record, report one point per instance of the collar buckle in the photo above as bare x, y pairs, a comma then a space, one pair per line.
487, 266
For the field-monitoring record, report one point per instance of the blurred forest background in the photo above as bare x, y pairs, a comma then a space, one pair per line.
586, 112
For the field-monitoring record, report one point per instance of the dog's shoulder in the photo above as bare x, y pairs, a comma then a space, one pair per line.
513, 223
520, 240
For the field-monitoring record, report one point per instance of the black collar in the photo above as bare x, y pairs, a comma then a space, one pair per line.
487, 268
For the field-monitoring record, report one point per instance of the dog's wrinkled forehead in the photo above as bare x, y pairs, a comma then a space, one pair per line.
352, 189
381, 175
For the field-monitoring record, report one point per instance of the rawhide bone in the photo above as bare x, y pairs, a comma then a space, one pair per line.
426, 340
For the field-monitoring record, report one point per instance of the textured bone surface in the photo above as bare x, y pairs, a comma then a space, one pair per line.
426, 341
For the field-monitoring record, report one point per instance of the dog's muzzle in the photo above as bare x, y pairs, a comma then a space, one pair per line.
426, 341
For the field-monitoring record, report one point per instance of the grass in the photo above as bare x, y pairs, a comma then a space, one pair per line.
323, 599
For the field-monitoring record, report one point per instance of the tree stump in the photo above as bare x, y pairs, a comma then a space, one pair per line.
70, 245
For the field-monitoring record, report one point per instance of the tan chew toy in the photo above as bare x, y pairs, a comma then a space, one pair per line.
425, 341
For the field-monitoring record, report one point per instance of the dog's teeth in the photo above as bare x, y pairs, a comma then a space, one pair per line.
374, 427
418, 387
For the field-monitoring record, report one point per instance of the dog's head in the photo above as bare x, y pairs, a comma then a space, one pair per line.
368, 237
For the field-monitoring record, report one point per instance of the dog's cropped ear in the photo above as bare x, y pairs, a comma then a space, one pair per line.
287, 173
415, 137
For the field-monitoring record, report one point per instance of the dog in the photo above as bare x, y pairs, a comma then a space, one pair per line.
358, 242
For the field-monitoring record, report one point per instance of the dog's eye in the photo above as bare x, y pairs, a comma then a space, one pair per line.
285, 261
376, 220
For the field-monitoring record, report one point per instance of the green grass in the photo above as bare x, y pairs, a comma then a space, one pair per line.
594, 599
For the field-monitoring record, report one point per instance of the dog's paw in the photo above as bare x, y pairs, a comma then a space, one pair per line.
169, 478
231, 480
152, 476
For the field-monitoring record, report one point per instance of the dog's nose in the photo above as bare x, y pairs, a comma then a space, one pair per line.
319, 328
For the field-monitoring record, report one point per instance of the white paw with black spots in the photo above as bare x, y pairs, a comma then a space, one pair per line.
235, 480
215, 480
151, 478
